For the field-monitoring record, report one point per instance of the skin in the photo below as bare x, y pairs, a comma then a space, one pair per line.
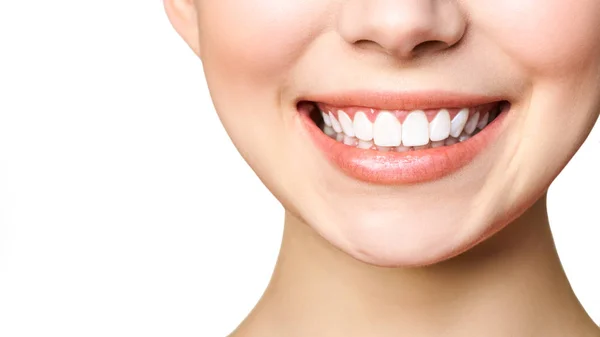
407, 260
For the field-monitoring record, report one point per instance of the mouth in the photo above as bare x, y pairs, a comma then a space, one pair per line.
403, 140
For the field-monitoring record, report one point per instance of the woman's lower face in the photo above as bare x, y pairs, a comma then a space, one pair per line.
404, 131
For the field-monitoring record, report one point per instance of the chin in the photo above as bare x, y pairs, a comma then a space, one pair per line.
396, 236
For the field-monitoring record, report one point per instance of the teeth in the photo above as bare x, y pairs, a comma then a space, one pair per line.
416, 133
472, 123
329, 131
326, 119
439, 128
350, 140
346, 123
387, 130
458, 123
363, 128
364, 144
415, 130
402, 148
483, 121
437, 144
334, 123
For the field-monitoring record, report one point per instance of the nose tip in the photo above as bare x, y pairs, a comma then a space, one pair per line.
403, 28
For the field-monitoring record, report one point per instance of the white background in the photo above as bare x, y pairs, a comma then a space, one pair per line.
124, 208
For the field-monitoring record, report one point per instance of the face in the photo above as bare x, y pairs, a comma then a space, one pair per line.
403, 132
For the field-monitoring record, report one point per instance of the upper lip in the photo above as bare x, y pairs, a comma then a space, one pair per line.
386, 100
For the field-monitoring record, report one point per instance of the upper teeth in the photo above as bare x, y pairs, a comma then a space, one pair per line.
346, 124
415, 130
363, 128
387, 130
439, 128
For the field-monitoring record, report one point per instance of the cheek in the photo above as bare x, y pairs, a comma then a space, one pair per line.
544, 36
258, 39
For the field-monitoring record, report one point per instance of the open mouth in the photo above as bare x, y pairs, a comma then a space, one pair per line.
395, 146
401, 131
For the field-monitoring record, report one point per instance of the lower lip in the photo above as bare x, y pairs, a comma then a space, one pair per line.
396, 168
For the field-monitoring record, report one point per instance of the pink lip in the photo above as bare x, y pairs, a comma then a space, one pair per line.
402, 167
403, 100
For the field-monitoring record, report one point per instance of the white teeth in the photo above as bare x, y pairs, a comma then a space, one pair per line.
329, 131
334, 123
387, 130
402, 148
439, 128
363, 128
458, 123
415, 130
326, 119
415, 134
364, 144
350, 141
472, 123
483, 121
346, 123
384, 148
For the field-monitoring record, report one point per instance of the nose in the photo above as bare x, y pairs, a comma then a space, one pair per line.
402, 28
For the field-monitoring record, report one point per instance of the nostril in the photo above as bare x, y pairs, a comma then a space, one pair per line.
402, 28
421, 48
429, 46
367, 44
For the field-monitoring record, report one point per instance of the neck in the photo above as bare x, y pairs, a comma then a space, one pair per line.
510, 285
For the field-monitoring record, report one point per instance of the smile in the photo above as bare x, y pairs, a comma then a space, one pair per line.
403, 139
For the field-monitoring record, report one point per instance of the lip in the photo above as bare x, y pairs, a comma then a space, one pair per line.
398, 168
403, 100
